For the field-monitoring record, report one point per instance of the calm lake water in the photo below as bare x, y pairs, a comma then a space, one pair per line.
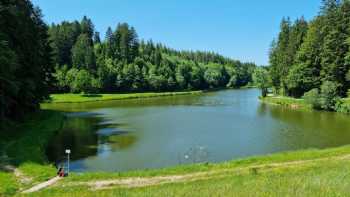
167, 131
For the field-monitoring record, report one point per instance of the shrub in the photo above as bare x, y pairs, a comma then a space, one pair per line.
312, 97
342, 107
329, 95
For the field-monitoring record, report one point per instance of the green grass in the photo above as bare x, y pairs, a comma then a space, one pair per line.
8, 183
287, 102
309, 154
300, 104
80, 98
323, 176
321, 179
25, 146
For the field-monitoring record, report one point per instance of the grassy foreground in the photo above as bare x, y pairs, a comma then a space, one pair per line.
80, 98
301, 173
23, 148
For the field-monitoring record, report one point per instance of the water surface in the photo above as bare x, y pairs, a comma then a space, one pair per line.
167, 131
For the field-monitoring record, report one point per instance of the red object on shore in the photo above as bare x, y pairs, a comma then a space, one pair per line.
60, 172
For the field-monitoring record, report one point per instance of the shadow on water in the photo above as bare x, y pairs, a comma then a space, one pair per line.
86, 134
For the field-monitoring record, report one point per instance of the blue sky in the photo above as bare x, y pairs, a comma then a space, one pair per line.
240, 29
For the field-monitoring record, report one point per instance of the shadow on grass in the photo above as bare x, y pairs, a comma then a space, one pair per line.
27, 141
23, 146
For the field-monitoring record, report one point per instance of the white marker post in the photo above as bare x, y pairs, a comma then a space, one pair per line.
68, 152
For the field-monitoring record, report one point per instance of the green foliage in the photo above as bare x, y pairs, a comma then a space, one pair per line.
342, 107
314, 55
83, 81
262, 79
348, 76
326, 98
212, 76
83, 56
329, 92
121, 63
25, 59
312, 98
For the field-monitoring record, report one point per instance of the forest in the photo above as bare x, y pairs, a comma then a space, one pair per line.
38, 59
311, 60
122, 63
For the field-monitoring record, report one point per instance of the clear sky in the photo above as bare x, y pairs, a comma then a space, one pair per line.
240, 29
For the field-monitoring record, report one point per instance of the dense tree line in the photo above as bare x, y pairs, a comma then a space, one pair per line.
313, 58
25, 59
123, 63
37, 59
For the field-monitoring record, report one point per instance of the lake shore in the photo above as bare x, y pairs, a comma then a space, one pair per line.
261, 174
286, 102
300, 104
81, 98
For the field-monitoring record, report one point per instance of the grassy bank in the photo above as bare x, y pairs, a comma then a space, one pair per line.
23, 147
80, 98
287, 102
342, 107
300, 173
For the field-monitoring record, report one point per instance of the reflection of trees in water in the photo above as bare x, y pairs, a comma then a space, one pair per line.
80, 135
119, 141
306, 129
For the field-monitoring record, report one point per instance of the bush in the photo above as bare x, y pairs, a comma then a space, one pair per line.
312, 97
342, 107
329, 95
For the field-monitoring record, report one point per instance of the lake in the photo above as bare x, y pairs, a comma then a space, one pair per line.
168, 131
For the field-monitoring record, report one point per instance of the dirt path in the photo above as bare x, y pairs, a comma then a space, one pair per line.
43, 185
158, 180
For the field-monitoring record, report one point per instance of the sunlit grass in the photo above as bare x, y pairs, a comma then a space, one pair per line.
79, 98
309, 154
287, 102
323, 176
8, 183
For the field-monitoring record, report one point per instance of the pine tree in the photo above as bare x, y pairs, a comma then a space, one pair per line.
83, 54
87, 27
97, 39
334, 47
25, 58
279, 57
